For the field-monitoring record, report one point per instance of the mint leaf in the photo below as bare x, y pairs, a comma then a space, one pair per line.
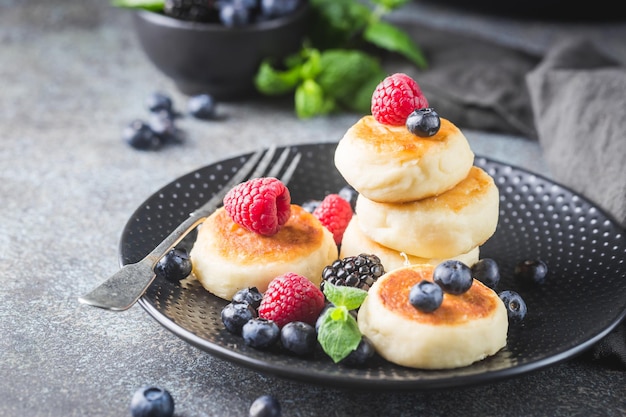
310, 100
392, 38
361, 100
342, 296
343, 73
338, 333
152, 5
390, 4
272, 82
335, 23
312, 66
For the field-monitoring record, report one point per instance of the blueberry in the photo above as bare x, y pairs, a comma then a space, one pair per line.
235, 315
250, 295
152, 401
174, 266
453, 276
163, 124
260, 333
202, 106
363, 352
515, 305
487, 271
531, 271
139, 135
426, 296
277, 8
159, 101
234, 13
299, 338
423, 122
265, 406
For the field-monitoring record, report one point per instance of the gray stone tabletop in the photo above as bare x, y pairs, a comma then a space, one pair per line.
71, 77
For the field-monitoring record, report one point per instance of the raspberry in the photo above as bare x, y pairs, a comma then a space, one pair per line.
260, 205
334, 212
395, 98
291, 297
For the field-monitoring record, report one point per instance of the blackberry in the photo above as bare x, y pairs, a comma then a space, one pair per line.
359, 271
192, 10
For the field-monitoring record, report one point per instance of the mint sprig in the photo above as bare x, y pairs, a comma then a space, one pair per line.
338, 332
338, 66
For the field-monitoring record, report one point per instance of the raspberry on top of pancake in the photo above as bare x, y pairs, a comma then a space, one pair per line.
299, 236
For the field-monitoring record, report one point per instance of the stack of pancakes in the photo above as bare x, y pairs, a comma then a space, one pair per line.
420, 200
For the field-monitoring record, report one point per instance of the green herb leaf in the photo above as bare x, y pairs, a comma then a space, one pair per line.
390, 4
272, 82
342, 296
152, 5
392, 38
338, 333
310, 100
343, 73
336, 23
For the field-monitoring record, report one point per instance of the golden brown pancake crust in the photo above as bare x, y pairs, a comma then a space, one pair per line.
299, 236
397, 140
466, 192
477, 302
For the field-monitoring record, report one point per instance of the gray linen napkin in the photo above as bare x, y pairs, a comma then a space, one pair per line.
573, 100
578, 97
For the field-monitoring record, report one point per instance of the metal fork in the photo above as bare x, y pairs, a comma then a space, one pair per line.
122, 290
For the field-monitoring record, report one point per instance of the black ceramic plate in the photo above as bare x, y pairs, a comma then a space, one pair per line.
584, 298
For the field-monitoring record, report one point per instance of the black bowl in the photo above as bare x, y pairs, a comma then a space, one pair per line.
215, 59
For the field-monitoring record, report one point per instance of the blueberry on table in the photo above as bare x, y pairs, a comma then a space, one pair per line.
487, 271
515, 305
159, 101
260, 333
202, 106
265, 406
174, 266
299, 338
531, 271
150, 401
140, 135
426, 296
163, 124
235, 315
453, 276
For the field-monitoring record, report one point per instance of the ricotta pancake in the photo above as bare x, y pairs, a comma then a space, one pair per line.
389, 164
226, 257
441, 226
356, 242
466, 328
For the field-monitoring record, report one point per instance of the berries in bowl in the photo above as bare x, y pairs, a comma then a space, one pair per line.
216, 47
